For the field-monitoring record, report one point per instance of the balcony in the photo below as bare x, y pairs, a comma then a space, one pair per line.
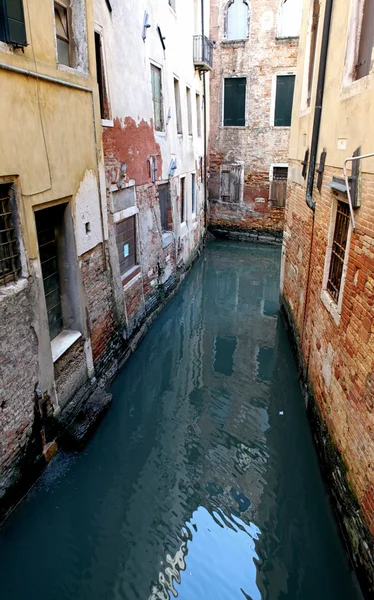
202, 53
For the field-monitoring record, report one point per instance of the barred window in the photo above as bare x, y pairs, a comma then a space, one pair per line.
338, 250
10, 264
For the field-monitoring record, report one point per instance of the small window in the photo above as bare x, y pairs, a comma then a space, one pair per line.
10, 264
165, 207
182, 199
12, 22
234, 102
339, 246
198, 114
365, 46
126, 244
101, 81
189, 110
193, 193
158, 113
237, 20
62, 34
278, 186
230, 183
178, 111
283, 100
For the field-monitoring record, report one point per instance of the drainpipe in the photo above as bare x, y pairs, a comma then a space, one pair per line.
205, 123
319, 103
313, 153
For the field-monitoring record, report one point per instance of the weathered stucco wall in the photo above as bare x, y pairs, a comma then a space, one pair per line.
257, 144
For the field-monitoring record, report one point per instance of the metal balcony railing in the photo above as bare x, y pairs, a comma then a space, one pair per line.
202, 53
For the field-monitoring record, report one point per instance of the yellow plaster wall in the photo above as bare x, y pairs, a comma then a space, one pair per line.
347, 110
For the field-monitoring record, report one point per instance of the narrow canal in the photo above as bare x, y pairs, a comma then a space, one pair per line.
202, 482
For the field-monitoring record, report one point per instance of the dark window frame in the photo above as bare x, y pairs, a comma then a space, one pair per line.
283, 106
234, 101
12, 26
102, 83
193, 193
182, 199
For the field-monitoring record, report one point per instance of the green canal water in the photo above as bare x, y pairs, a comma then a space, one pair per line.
202, 482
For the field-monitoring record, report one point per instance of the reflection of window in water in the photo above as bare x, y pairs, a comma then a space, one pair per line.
227, 290
265, 360
270, 298
224, 348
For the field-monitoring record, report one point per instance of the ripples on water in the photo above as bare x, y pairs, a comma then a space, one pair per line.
202, 481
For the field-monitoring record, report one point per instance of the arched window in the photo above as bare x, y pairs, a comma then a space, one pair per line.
289, 18
237, 20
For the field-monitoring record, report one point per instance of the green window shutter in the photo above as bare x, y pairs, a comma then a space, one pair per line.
234, 102
12, 22
283, 100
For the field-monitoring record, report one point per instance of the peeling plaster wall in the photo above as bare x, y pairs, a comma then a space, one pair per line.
130, 141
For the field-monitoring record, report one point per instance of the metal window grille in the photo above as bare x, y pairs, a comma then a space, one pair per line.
10, 264
47, 225
338, 250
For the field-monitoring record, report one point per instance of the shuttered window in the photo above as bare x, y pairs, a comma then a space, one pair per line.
283, 100
278, 187
126, 244
234, 102
165, 207
366, 41
230, 183
157, 98
100, 74
193, 193
12, 22
183, 199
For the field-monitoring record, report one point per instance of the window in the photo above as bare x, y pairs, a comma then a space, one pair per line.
193, 193
157, 98
165, 207
12, 22
231, 183
365, 46
289, 18
58, 262
101, 81
126, 244
189, 110
313, 33
278, 186
178, 111
62, 34
71, 34
182, 198
198, 114
234, 102
237, 20
10, 264
283, 100
338, 250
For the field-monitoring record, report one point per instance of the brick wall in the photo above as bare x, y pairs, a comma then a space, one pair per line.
257, 145
338, 359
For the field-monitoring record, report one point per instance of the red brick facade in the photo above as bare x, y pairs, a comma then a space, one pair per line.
337, 351
257, 145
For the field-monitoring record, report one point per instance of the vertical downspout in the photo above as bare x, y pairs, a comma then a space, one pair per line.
205, 123
314, 148
319, 103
